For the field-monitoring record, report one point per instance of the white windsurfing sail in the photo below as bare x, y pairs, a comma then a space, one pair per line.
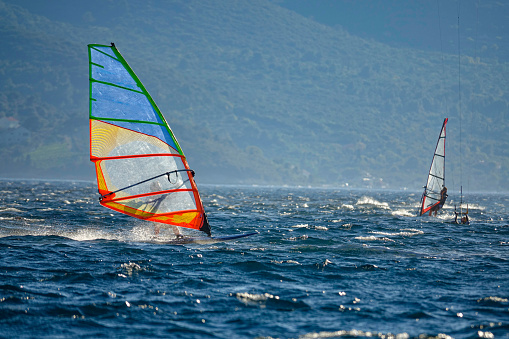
436, 176
141, 169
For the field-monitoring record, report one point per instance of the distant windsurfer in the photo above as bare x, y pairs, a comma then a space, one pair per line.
464, 219
441, 202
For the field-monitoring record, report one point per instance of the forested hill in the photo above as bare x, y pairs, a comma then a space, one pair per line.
256, 93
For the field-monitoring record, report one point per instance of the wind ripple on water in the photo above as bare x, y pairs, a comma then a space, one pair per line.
327, 263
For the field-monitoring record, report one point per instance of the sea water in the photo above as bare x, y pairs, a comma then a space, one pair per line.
327, 263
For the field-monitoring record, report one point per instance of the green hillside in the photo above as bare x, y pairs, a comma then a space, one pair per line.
255, 94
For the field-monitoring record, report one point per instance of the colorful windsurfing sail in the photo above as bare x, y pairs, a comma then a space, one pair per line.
436, 177
141, 169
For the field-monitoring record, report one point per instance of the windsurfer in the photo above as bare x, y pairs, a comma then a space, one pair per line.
441, 202
464, 220
175, 229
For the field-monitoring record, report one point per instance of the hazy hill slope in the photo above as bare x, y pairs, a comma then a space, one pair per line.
254, 92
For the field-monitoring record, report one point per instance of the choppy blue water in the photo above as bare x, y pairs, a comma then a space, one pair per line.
327, 263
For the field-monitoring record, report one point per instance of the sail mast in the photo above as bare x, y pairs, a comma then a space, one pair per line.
463, 218
459, 98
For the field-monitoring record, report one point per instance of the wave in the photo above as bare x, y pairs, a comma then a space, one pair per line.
302, 237
307, 226
301, 226
10, 209
494, 301
373, 238
129, 268
137, 233
409, 232
267, 300
368, 201
367, 334
475, 207
254, 299
404, 213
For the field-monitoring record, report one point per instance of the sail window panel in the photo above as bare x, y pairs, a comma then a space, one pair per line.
435, 181
117, 103
441, 146
437, 171
162, 203
108, 140
433, 189
112, 71
433, 197
132, 171
428, 202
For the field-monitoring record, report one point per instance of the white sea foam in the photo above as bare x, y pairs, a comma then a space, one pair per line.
10, 209
368, 201
301, 226
362, 334
494, 299
141, 233
130, 267
404, 213
373, 238
319, 228
474, 207
302, 237
88, 235
294, 262
255, 299
404, 232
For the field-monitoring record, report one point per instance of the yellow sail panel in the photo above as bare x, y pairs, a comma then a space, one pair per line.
105, 137
179, 219
101, 181
183, 219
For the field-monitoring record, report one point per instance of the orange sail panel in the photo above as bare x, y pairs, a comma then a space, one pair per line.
141, 169
436, 176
